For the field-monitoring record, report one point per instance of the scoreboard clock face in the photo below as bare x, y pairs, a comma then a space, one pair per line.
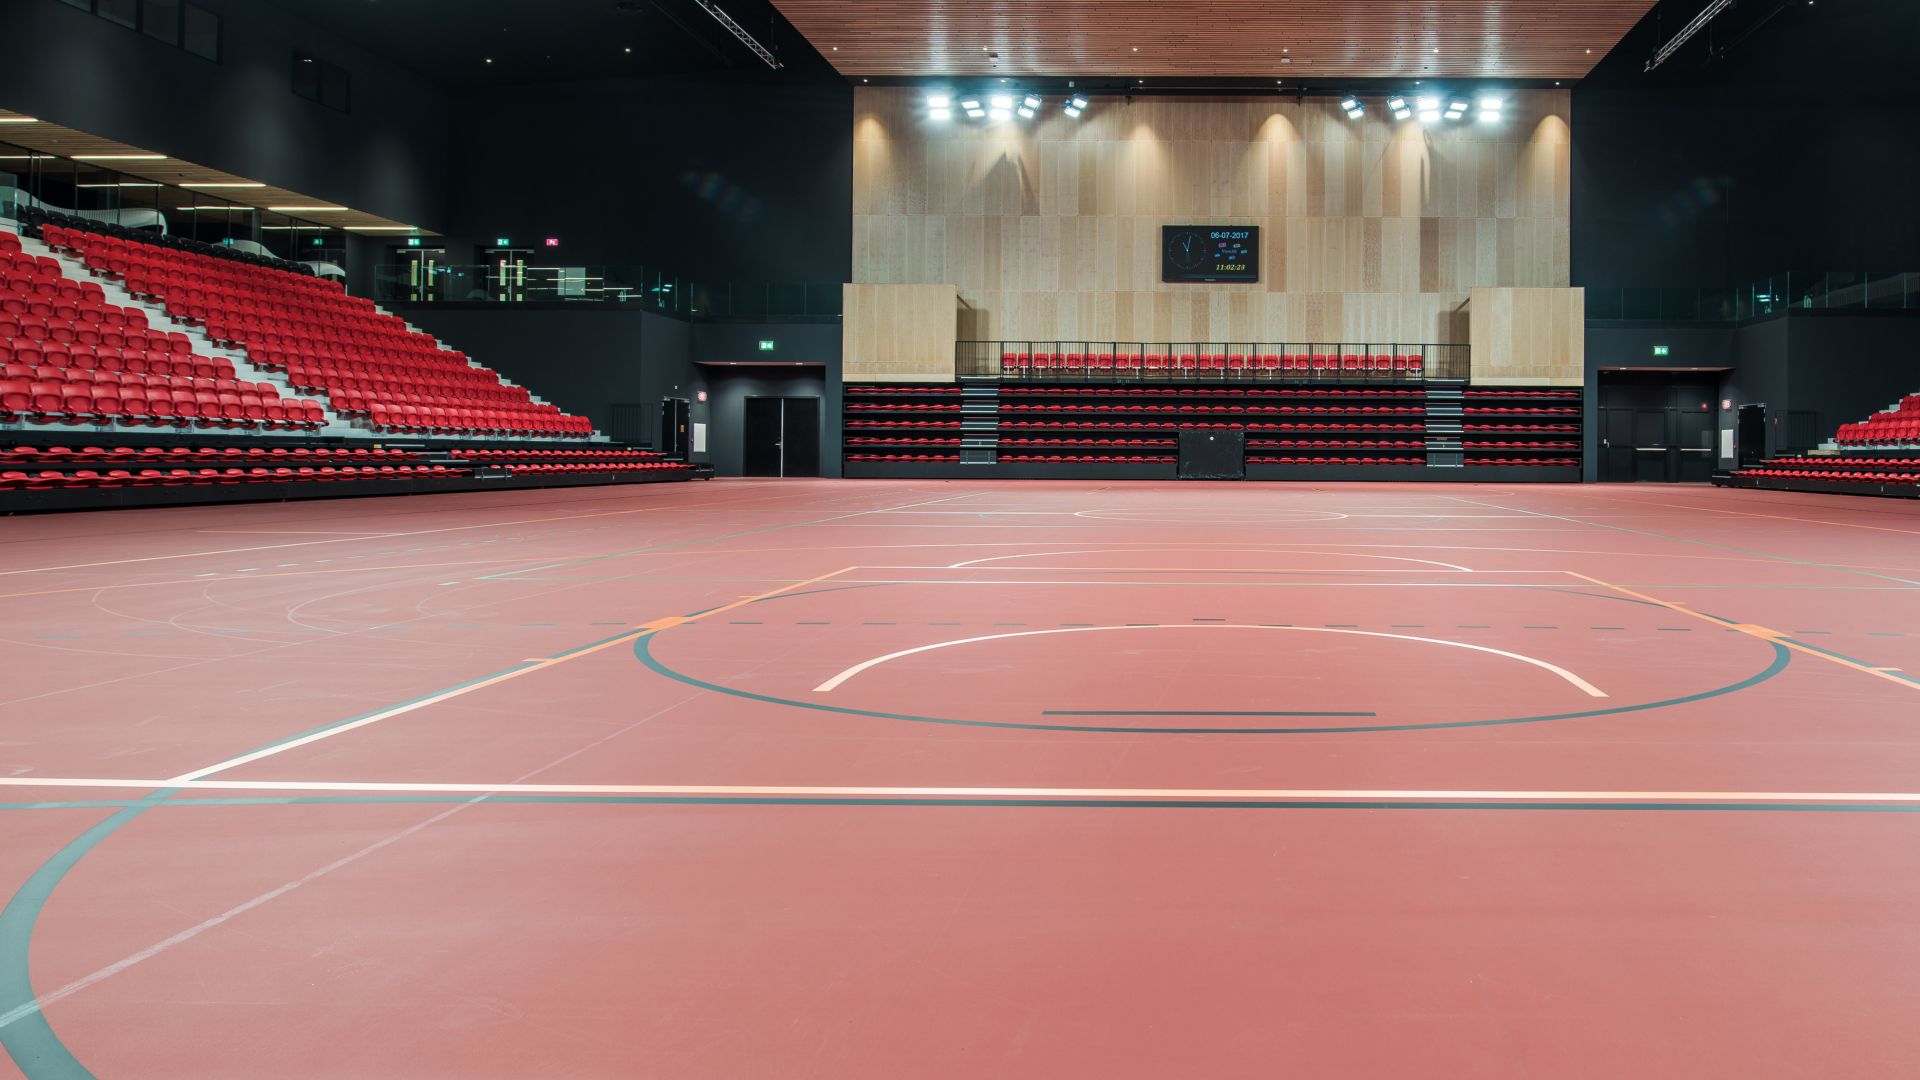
1209, 253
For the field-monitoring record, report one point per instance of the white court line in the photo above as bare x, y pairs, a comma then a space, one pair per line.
1584, 686
1256, 551
807, 791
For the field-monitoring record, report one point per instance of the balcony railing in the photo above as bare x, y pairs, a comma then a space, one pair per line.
424, 281
1212, 360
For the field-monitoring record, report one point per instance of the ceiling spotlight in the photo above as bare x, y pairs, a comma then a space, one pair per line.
1429, 103
1025, 113
1031, 102
1429, 116
1350, 103
1001, 101
1402, 114
938, 101
1071, 111
970, 104
1490, 104
1489, 117
1076, 102
997, 115
939, 114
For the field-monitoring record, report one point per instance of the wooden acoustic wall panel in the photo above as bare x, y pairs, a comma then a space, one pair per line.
1371, 231
898, 333
1538, 39
1529, 337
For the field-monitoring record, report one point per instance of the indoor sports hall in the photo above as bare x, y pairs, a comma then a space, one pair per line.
727, 538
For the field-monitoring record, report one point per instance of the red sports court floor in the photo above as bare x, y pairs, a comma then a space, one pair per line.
921, 779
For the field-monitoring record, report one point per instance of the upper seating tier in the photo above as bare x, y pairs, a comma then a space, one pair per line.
368, 363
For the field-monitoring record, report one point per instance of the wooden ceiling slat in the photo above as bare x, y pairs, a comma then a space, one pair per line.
1515, 39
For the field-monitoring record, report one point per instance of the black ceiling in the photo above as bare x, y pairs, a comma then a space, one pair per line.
450, 41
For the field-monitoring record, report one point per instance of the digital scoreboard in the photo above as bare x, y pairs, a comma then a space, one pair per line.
1209, 253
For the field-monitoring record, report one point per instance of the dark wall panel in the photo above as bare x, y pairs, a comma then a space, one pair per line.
747, 179
729, 389
1779, 140
584, 360
388, 156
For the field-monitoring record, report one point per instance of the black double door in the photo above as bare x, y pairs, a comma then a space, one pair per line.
782, 437
1657, 427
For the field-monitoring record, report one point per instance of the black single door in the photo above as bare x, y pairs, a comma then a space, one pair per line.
800, 436
1650, 446
1616, 441
761, 452
1694, 449
1750, 437
1213, 455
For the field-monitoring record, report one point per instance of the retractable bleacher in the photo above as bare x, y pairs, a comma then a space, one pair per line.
114, 392
1876, 456
1299, 423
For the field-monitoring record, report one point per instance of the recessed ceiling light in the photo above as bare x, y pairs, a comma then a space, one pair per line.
119, 157
18, 120
122, 183
489, 59
308, 209
629, 48
222, 184
380, 228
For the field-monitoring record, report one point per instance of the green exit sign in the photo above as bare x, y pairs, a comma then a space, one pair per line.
413, 241
1661, 350
766, 345
502, 241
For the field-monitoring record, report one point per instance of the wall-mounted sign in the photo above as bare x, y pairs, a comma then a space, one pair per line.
766, 344
502, 241
413, 241
1662, 350
553, 241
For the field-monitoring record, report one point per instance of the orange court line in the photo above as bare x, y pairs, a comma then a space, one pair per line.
1767, 634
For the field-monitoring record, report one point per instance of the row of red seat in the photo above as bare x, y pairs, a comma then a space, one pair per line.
1516, 444
904, 457
1838, 476
1884, 429
1320, 444
1264, 460
914, 424
1521, 428
1558, 395
1549, 462
174, 455
1249, 393
859, 389
1115, 425
78, 401
1088, 459
864, 441
570, 455
1306, 364
597, 467
530, 420
48, 479
1515, 410
1226, 410
1161, 444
